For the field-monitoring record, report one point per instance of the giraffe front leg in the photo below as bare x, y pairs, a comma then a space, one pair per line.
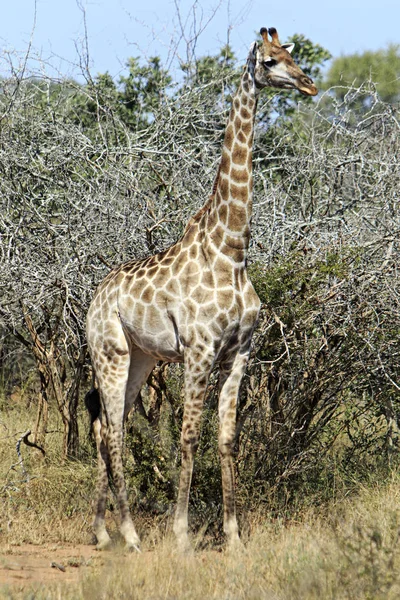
196, 380
231, 376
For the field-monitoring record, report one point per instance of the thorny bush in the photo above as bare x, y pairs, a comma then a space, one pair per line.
77, 197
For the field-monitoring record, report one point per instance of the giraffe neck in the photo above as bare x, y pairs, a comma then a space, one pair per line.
227, 221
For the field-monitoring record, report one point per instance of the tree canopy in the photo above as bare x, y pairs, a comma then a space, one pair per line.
381, 68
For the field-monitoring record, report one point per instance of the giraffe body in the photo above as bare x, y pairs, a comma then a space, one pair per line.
192, 303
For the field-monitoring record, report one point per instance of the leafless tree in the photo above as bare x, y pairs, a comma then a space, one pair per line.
76, 200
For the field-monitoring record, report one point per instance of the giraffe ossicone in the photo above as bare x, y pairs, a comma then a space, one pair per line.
192, 303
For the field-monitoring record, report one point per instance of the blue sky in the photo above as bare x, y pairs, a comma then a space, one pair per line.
118, 29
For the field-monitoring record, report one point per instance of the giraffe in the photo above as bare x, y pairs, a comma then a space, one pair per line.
192, 303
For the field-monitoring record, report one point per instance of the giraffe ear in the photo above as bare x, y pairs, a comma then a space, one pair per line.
288, 47
253, 52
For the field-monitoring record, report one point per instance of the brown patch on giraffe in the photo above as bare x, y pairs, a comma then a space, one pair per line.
237, 253
162, 277
196, 357
179, 262
147, 294
225, 298
152, 321
112, 351
145, 262
151, 260
198, 294
131, 265
170, 255
140, 273
228, 141
239, 154
223, 320
239, 175
212, 220
240, 277
189, 237
223, 213
107, 279
160, 255
239, 302
168, 260
239, 243
245, 114
203, 337
192, 308
238, 218
218, 234
224, 277
223, 188
237, 123
248, 319
215, 331
127, 282
241, 137
250, 297
190, 273
207, 279
247, 128
105, 301
129, 303
172, 287
118, 278
152, 271
102, 296
208, 312
225, 162
239, 192
194, 252
138, 286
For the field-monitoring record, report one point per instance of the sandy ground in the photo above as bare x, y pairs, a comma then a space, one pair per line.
27, 565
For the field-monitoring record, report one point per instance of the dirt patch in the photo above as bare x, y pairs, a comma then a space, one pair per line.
28, 564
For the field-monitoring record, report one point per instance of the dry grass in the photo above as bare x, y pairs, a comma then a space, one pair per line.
45, 499
352, 552
349, 549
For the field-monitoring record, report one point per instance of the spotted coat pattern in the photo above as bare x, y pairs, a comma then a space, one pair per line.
192, 303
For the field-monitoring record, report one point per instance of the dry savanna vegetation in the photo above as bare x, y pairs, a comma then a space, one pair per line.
94, 173
346, 548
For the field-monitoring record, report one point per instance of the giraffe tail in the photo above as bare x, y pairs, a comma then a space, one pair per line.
92, 403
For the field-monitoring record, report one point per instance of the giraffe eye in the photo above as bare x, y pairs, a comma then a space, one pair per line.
268, 64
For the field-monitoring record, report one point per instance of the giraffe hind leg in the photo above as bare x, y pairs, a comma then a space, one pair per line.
118, 393
92, 403
111, 365
103, 474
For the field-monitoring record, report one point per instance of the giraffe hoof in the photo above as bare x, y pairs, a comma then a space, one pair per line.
235, 545
130, 547
185, 548
104, 545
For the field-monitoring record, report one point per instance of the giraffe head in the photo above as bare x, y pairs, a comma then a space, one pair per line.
274, 67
